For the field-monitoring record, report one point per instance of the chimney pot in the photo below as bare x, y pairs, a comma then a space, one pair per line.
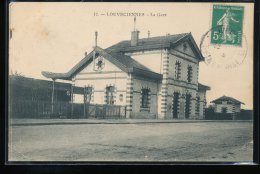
96, 35
134, 38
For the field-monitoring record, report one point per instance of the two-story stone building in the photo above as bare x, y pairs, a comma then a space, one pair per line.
155, 77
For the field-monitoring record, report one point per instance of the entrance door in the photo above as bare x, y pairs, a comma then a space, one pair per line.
187, 105
176, 96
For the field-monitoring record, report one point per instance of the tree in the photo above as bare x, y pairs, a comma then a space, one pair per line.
15, 73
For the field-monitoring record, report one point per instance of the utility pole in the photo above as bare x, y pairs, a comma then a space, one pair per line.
94, 51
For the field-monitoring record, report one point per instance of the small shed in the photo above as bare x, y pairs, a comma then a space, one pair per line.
227, 105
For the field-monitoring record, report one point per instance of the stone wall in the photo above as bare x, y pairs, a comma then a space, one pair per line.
231, 108
203, 104
181, 85
140, 83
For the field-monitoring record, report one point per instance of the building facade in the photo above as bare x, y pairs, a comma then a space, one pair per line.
227, 105
155, 77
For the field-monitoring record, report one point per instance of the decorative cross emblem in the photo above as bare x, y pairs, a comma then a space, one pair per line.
100, 64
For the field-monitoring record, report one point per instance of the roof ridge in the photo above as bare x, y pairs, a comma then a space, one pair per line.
150, 38
164, 36
146, 38
226, 97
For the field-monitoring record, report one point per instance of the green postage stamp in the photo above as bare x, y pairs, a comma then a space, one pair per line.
227, 25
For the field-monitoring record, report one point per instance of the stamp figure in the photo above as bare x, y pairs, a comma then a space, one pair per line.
227, 24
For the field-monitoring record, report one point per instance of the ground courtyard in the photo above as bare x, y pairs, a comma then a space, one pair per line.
165, 141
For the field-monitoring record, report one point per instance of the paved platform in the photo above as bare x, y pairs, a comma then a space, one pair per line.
28, 122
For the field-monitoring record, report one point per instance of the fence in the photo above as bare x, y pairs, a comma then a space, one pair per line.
242, 115
81, 110
43, 109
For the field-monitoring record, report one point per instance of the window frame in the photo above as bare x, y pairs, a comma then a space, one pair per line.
224, 110
178, 70
88, 91
189, 74
110, 99
145, 98
198, 105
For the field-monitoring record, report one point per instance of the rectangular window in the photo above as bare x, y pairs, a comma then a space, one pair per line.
224, 110
145, 94
110, 95
188, 106
177, 70
189, 74
175, 111
198, 105
88, 94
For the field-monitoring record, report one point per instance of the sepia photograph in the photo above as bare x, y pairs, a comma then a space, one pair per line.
130, 82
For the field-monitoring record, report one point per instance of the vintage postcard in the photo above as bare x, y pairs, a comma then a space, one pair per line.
130, 82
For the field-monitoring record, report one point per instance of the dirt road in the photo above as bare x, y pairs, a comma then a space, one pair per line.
205, 141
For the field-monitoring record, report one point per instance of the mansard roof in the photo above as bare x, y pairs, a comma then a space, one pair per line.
124, 62
158, 42
226, 98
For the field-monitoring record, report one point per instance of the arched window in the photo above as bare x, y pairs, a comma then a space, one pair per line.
88, 94
145, 98
178, 70
110, 95
189, 74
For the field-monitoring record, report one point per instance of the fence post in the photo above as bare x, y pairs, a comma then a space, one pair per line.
125, 111
84, 101
71, 93
96, 111
52, 96
104, 111
119, 112
87, 110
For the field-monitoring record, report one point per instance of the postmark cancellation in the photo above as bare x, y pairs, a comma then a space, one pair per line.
224, 45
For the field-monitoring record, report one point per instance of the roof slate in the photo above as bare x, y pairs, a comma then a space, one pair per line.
146, 43
128, 61
226, 98
159, 42
116, 55
124, 62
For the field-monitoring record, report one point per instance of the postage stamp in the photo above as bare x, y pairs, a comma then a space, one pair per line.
227, 25
225, 45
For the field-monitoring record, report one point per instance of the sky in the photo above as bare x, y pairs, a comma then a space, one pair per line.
55, 36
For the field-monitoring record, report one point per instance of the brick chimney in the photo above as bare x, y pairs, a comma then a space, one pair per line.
134, 37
